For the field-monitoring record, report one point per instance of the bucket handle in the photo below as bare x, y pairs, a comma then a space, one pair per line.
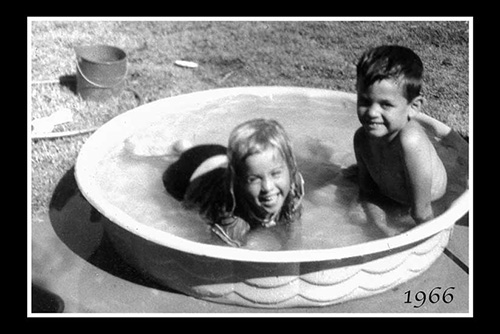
96, 84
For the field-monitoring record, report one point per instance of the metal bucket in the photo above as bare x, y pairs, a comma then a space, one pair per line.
101, 71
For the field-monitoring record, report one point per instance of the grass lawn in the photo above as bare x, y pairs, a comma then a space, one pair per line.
320, 54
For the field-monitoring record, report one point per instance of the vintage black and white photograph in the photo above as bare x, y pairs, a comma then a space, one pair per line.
249, 166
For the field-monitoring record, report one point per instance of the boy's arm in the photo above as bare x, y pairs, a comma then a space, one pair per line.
416, 158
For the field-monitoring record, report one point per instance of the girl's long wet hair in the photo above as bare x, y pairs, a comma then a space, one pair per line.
253, 137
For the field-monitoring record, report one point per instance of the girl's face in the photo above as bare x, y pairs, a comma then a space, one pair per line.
383, 110
266, 181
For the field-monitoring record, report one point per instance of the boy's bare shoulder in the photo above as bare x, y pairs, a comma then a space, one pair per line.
412, 135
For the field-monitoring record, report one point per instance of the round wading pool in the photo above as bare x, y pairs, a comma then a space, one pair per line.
330, 257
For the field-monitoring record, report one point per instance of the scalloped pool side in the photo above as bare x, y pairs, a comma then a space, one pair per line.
277, 285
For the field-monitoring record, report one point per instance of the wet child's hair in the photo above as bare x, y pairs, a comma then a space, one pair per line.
253, 137
392, 62
217, 192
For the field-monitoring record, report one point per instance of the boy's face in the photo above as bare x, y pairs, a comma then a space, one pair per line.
266, 181
383, 110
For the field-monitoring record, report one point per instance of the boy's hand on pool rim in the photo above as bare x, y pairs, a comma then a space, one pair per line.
422, 215
232, 230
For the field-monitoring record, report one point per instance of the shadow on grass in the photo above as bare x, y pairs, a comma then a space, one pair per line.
69, 81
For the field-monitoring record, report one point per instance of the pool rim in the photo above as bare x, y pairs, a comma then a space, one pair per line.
457, 209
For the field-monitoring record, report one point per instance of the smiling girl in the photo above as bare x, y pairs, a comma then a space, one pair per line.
255, 183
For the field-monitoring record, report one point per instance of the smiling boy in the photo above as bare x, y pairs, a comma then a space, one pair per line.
395, 157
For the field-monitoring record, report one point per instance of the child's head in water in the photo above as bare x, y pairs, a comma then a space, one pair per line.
264, 181
254, 182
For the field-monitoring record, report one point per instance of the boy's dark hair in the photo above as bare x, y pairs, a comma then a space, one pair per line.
392, 62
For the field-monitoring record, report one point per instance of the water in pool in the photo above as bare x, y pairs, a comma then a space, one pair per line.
131, 180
